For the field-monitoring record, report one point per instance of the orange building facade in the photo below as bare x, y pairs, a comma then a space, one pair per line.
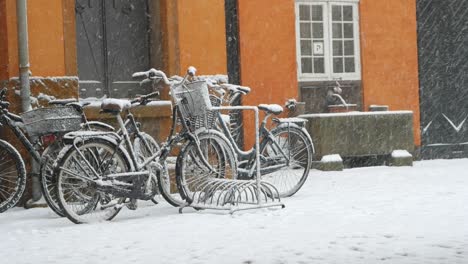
187, 32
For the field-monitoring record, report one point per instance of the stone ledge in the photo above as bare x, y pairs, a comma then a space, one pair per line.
329, 163
400, 158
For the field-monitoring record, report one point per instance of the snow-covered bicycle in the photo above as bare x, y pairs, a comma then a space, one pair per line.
99, 173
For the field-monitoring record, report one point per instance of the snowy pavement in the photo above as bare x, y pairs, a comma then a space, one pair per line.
367, 215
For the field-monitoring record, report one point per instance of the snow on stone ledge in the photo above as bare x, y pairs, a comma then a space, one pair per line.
331, 158
357, 114
399, 153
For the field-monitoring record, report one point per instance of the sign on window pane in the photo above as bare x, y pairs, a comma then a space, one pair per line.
306, 65
349, 47
306, 48
319, 65
317, 29
337, 30
318, 48
347, 13
336, 13
304, 12
338, 65
317, 13
305, 30
349, 65
348, 30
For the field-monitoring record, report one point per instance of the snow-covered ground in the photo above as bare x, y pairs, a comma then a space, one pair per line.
368, 215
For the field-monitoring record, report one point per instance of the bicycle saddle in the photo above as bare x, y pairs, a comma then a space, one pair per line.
62, 101
271, 108
112, 105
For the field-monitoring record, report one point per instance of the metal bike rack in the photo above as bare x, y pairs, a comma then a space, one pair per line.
232, 194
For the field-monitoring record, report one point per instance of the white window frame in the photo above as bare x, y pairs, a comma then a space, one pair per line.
327, 21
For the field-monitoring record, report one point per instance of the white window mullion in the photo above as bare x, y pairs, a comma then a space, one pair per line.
311, 42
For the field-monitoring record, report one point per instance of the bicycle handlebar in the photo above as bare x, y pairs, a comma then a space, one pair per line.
153, 74
144, 98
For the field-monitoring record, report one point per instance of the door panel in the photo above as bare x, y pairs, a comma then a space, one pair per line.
113, 43
443, 72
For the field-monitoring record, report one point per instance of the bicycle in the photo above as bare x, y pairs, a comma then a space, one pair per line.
286, 151
42, 125
99, 173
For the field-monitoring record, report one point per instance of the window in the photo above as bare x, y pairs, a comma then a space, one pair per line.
328, 40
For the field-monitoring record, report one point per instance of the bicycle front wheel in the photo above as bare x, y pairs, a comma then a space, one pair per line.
77, 191
12, 176
192, 174
48, 180
286, 159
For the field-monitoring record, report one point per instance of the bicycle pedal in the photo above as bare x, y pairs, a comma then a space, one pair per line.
132, 205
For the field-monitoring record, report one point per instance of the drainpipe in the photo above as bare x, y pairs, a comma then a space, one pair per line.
23, 55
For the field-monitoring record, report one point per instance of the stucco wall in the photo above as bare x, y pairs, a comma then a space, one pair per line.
268, 53
389, 56
46, 38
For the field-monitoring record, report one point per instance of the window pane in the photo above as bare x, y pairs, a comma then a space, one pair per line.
337, 48
337, 30
336, 13
319, 65
317, 13
349, 65
337, 65
305, 30
306, 65
347, 13
349, 47
348, 30
317, 29
304, 12
306, 47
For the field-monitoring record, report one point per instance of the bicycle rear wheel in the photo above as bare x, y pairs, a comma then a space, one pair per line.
48, 180
192, 173
47, 177
12, 176
286, 159
77, 191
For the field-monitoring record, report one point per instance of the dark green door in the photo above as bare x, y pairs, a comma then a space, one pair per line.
112, 43
443, 74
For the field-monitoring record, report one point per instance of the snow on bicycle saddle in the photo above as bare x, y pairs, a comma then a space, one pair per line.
115, 105
271, 108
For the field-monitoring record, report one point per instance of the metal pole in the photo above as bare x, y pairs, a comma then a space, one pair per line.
23, 53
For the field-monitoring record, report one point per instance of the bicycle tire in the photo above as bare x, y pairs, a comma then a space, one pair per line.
12, 176
47, 178
190, 171
81, 191
296, 172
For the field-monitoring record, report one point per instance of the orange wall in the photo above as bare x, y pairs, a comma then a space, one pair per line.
202, 38
46, 41
267, 53
389, 56
3, 42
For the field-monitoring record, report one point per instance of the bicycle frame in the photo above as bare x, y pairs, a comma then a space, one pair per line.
7, 119
249, 157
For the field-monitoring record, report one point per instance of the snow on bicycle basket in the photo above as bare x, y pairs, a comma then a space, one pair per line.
43, 121
193, 99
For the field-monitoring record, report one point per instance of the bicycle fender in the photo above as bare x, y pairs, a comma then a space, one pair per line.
287, 124
98, 124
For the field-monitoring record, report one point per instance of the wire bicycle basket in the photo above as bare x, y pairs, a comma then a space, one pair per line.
51, 120
195, 104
